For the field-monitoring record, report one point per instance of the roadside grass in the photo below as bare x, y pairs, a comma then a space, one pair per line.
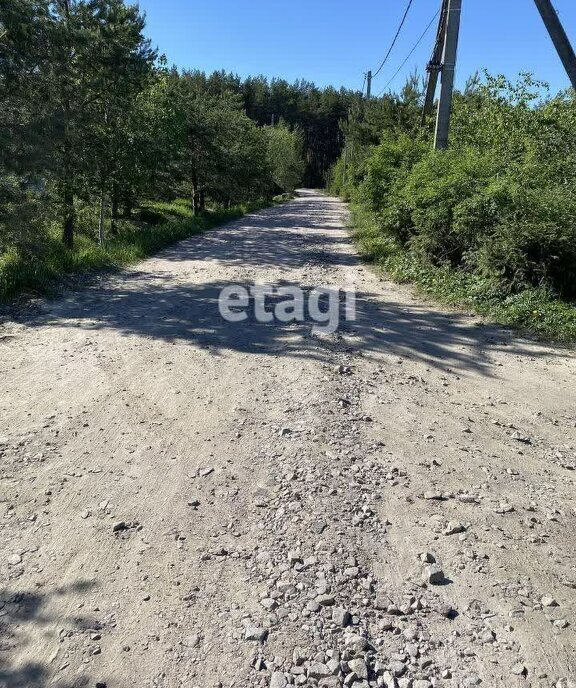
283, 197
536, 311
52, 264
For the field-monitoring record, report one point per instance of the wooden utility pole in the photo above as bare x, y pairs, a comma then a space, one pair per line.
451, 34
369, 85
443, 61
559, 38
434, 67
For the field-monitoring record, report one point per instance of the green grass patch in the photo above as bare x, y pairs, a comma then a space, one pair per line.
52, 265
534, 310
283, 198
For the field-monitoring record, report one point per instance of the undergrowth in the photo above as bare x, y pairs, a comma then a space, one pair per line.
44, 270
536, 310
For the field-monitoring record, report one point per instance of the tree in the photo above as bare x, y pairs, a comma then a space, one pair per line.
285, 156
123, 62
78, 64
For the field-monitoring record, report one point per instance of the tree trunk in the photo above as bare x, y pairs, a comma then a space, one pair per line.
101, 219
202, 201
127, 201
115, 212
195, 195
69, 217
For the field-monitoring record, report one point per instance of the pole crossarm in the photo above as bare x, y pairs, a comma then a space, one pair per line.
443, 61
434, 66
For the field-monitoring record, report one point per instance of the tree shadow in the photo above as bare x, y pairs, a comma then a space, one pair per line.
25, 613
275, 238
152, 306
177, 306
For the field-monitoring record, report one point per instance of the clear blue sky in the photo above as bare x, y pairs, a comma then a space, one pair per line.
336, 41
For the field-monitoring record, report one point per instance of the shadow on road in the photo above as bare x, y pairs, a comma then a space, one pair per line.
275, 238
25, 614
151, 306
167, 305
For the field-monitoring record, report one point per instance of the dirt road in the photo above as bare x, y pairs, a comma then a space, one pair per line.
186, 501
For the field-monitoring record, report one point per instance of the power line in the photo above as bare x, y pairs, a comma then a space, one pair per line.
411, 52
395, 39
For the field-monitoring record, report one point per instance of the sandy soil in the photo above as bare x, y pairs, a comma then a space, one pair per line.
190, 502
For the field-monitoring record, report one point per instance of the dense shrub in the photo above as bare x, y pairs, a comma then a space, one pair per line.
500, 203
21, 215
536, 245
43, 270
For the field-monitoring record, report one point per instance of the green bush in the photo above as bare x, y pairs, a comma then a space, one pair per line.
535, 246
490, 222
388, 167
44, 270
22, 215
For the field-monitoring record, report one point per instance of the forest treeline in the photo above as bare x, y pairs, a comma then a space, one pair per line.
99, 137
491, 222
107, 153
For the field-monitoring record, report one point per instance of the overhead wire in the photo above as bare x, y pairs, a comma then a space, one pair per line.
409, 5
430, 24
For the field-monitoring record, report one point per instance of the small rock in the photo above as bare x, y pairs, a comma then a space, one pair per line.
521, 438
191, 640
325, 600
329, 682
433, 495
342, 369
468, 499
341, 617
434, 575
548, 601
358, 666
504, 508
356, 642
269, 604
318, 670
255, 633
299, 656
453, 528
319, 526
278, 680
